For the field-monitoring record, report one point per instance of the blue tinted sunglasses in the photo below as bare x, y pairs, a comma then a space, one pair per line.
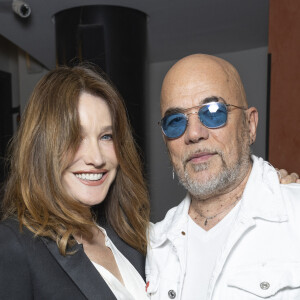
211, 115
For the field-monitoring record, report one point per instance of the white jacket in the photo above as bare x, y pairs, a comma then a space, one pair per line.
261, 257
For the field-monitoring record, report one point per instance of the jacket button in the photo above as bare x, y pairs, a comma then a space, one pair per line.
264, 285
171, 294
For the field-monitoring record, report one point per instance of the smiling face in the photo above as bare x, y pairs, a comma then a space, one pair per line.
89, 176
208, 161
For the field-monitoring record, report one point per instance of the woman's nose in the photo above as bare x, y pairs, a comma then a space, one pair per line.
93, 154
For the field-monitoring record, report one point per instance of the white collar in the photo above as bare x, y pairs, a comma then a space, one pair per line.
262, 197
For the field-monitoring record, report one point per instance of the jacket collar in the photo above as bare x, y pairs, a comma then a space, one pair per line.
172, 225
262, 198
81, 271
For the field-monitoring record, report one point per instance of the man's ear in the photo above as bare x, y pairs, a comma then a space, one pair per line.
252, 119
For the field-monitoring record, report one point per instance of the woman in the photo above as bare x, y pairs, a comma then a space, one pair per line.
76, 208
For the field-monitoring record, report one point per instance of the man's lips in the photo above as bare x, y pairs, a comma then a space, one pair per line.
200, 157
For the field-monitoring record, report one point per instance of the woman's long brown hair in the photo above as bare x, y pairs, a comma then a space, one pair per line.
45, 144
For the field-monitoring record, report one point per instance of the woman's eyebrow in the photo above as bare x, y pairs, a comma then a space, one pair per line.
107, 128
103, 129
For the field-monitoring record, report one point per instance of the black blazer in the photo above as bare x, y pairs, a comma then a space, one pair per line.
32, 267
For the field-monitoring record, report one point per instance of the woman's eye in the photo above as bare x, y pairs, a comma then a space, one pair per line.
107, 137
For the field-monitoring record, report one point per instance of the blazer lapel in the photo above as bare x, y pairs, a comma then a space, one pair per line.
82, 272
135, 257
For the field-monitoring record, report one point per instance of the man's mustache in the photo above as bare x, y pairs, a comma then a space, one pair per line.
200, 152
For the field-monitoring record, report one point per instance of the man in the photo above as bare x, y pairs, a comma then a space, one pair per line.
237, 233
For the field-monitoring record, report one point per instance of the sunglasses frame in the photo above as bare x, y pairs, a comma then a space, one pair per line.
199, 107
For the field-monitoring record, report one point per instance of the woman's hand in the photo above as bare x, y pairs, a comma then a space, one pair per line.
285, 177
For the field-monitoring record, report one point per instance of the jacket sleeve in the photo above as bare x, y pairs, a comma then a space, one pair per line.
15, 282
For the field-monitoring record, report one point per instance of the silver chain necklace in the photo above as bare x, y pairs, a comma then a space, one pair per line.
212, 217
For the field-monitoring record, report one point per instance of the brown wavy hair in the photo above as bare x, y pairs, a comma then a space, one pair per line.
45, 144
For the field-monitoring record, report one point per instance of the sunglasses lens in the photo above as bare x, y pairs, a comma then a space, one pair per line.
213, 115
174, 125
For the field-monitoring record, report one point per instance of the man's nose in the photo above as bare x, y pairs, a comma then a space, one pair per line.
93, 154
195, 130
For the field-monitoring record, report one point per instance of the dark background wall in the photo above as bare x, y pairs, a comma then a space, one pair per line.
114, 39
6, 128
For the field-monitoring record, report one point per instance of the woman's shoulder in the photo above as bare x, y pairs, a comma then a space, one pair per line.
15, 278
12, 235
13, 242
10, 226
9, 222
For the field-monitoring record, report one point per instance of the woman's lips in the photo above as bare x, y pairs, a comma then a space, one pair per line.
92, 178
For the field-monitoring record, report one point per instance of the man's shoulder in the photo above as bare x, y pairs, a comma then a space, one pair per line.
175, 212
160, 225
172, 217
291, 194
290, 199
292, 188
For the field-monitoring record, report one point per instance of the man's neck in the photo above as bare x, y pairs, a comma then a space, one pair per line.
210, 211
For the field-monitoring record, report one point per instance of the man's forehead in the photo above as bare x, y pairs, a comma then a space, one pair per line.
187, 88
186, 96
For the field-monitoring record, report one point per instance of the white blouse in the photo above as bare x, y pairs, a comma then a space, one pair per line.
134, 288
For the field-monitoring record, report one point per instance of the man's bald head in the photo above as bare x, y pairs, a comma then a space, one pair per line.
208, 161
203, 69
